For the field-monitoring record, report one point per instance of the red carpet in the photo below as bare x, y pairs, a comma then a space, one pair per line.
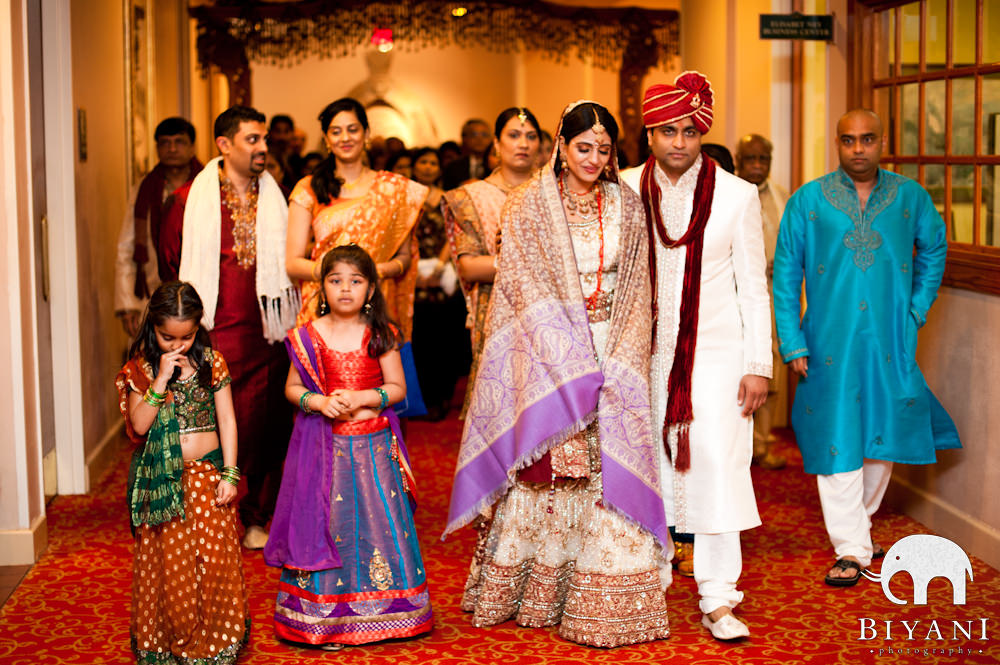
73, 606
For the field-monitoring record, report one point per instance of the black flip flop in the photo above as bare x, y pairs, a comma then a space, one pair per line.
877, 551
845, 564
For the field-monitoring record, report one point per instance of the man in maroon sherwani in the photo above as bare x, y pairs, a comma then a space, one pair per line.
235, 214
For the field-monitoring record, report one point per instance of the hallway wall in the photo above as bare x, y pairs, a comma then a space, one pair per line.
959, 496
23, 525
103, 185
102, 190
720, 39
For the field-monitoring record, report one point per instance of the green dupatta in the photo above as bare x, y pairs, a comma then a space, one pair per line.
155, 493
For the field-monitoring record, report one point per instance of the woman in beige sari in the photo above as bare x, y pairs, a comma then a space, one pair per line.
345, 202
472, 218
558, 439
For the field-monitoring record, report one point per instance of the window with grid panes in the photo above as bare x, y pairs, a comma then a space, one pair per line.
934, 78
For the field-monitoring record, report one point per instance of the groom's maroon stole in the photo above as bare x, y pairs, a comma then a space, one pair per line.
679, 411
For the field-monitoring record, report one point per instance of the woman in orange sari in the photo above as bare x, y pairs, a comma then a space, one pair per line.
346, 202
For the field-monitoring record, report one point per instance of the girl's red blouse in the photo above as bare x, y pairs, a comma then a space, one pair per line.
353, 370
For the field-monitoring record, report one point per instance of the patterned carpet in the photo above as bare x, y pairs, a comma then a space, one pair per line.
73, 606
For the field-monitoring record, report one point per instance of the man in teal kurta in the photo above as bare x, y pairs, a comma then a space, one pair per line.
861, 402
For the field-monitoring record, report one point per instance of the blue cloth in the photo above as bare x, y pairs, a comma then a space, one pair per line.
867, 293
413, 404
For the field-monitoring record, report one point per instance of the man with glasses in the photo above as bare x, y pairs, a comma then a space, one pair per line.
476, 140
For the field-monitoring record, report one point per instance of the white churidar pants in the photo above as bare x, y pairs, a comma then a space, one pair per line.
718, 563
849, 499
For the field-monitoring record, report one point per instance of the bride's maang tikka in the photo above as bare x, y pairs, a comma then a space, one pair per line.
522, 116
597, 127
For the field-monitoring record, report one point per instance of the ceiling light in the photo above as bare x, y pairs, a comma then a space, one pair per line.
382, 39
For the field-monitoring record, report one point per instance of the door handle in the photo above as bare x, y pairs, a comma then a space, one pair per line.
45, 257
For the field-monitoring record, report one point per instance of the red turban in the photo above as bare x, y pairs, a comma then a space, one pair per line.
690, 96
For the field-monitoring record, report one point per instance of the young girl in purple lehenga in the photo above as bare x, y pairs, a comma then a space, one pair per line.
343, 530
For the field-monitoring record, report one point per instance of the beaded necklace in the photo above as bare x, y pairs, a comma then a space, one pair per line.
594, 299
583, 205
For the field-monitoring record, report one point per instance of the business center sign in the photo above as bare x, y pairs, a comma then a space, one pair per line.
796, 26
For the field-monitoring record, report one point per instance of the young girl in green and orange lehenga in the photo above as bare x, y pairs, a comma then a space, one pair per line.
189, 603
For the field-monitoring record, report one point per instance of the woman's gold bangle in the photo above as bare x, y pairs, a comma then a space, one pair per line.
402, 268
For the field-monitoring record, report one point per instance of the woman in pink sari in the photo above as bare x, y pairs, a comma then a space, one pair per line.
346, 202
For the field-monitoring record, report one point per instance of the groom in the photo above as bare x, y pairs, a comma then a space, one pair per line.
712, 337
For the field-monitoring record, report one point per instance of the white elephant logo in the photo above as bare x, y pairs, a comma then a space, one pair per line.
925, 557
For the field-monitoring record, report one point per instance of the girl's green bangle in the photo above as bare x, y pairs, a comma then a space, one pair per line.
303, 401
154, 398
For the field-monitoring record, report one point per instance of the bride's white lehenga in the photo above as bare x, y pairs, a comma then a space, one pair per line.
552, 553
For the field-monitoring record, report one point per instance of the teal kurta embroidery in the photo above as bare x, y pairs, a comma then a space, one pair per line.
862, 239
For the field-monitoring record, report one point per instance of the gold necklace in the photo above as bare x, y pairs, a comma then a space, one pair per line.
503, 185
244, 216
594, 300
354, 183
585, 206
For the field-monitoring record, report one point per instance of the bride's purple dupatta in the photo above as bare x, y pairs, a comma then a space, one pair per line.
538, 379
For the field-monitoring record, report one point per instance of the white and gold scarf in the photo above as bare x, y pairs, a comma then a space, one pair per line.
276, 295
